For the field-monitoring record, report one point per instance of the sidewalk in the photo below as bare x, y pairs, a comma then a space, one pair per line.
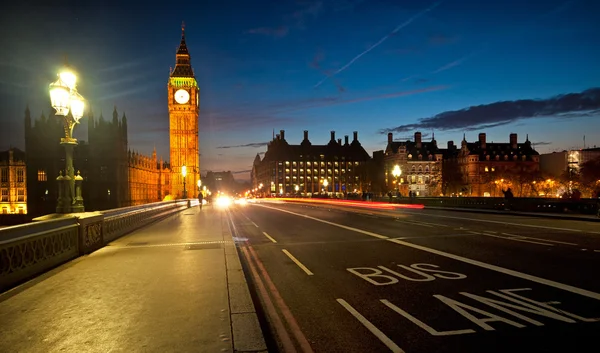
174, 286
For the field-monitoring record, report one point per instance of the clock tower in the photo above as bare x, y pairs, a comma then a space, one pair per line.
184, 105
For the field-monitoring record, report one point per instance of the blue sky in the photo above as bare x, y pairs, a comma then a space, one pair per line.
373, 66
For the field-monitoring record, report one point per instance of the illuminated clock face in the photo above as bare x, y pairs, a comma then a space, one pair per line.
182, 96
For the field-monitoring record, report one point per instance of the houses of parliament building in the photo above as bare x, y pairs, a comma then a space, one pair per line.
114, 176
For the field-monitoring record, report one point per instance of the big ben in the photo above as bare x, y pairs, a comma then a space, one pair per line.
184, 105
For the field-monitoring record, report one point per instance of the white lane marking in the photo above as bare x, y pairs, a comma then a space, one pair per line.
304, 268
500, 222
374, 330
432, 224
412, 223
491, 267
256, 225
270, 237
423, 325
512, 238
548, 240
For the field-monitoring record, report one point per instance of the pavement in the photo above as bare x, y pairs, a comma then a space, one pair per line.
174, 286
343, 279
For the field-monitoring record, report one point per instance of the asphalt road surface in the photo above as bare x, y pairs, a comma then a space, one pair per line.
340, 279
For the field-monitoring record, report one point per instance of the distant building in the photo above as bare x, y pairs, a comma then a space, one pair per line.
13, 182
113, 176
306, 166
215, 182
489, 168
420, 165
558, 164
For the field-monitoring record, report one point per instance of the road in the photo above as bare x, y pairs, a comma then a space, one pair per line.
340, 279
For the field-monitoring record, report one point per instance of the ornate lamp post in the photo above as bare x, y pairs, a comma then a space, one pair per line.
184, 173
396, 172
199, 185
325, 184
69, 104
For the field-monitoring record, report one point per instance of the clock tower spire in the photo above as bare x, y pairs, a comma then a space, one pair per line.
184, 106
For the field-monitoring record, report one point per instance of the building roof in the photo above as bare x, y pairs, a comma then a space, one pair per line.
18, 155
501, 150
279, 149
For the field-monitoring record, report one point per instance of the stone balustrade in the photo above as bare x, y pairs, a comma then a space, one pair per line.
28, 250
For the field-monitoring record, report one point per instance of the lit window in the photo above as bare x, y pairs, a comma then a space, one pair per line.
42, 175
4, 172
20, 175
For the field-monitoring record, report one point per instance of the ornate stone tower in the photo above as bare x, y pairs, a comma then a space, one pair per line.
184, 105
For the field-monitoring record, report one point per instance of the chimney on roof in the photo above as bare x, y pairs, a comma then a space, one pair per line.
418, 139
282, 134
332, 135
355, 136
513, 141
482, 140
278, 137
305, 135
450, 145
340, 142
390, 137
346, 139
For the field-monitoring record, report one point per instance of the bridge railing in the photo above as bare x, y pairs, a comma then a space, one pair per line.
30, 249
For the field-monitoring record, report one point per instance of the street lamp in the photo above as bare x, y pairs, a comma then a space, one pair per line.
296, 188
199, 185
184, 173
396, 172
325, 183
69, 104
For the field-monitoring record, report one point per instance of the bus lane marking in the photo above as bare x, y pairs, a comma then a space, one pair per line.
374, 330
506, 271
511, 238
269, 237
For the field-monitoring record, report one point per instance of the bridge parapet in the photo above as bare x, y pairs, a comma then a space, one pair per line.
30, 249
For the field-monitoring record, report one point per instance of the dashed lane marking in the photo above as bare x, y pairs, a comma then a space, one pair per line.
512, 238
485, 265
304, 268
270, 237
546, 240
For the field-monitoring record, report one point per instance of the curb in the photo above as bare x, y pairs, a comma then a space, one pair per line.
521, 214
245, 327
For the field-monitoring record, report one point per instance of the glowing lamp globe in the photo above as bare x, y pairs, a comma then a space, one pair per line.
184, 171
68, 77
77, 106
60, 97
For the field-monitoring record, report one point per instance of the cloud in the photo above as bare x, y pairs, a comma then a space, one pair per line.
277, 32
485, 116
421, 80
254, 145
346, 5
242, 171
541, 143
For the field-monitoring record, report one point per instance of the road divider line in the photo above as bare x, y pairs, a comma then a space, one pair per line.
374, 330
249, 220
548, 240
413, 223
500, 222
491, 267
512, 238
270, 237
304, 268
432, 224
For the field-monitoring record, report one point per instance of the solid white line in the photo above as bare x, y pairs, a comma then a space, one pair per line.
432, 224
374, 330
297, 262
491, 267
499, 222
270, 237
412, 223
548, 240
513, 238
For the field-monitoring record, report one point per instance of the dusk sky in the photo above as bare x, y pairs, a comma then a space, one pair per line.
368, 65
